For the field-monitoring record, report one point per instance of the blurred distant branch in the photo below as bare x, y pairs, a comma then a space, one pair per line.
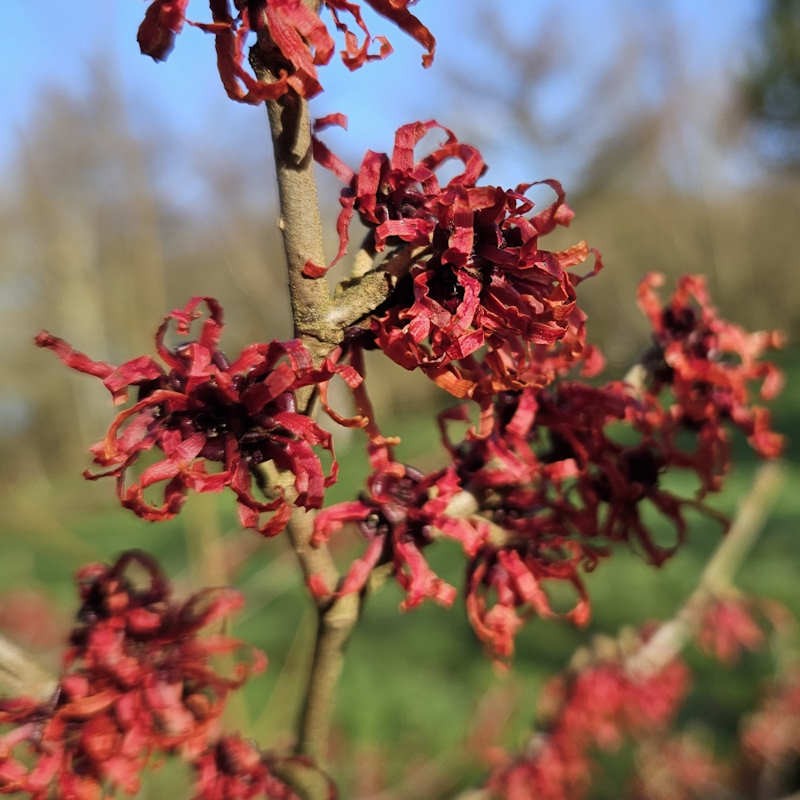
672, 636
615, 114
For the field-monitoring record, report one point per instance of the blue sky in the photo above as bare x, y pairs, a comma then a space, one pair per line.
53, 47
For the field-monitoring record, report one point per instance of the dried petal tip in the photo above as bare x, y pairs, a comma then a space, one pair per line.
163, 20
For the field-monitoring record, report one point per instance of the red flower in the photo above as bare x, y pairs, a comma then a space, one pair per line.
591, 709
504, 584
234, 769
727, 628
203, 409
137, 679
553, 474
466, 268
709, 363
292, 39
399, 515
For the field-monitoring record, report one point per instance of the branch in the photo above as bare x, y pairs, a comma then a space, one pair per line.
358, 297
334, 626
300, 221
672, 636
301, 226
370, 284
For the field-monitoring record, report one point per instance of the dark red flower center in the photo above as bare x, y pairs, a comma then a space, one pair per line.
680, 322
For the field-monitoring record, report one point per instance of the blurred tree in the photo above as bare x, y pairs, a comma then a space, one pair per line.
600, 114
100, 232
85, 254
772, 89
649, 136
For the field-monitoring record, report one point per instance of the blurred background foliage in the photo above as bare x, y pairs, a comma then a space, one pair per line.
668, 167
772, 87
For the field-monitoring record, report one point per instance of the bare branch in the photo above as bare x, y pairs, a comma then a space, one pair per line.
320, 331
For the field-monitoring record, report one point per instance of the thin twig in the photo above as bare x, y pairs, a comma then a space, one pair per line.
672, 636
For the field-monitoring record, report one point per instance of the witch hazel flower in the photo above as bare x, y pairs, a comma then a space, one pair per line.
591, 709
292, 40
523, 495
199, 409
475, 302
401, 512
595, 485
137, 681
235, 769
709, 364
560, 487
506, 584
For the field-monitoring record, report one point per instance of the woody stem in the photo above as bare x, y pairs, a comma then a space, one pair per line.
301, 226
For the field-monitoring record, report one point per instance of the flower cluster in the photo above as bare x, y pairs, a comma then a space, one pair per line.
200, 409
475, 303
552, 476
137, 680
610, 694
595, 708
560, 486
292, 40
557, 475
708, 363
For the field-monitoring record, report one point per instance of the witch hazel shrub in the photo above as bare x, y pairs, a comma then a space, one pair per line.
453, 278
